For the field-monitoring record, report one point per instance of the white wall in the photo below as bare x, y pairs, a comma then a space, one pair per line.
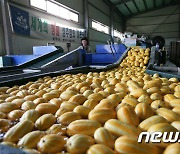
162, 22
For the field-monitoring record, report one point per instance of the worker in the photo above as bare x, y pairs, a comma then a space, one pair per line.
85, 45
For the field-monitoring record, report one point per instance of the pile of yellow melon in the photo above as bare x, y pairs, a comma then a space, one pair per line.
94, 113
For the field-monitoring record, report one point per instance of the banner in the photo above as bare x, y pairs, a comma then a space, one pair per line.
26, 23
20, 20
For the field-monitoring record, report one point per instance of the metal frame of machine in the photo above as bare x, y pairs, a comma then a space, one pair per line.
10, 81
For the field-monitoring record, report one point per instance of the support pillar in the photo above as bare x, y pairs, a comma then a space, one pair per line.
6, 27
86, 17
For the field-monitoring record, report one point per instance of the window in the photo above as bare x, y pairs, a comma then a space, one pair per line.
41, 4
100, 27
94, 25
64, 13
105, 29
118, 34
55, 9
74, 16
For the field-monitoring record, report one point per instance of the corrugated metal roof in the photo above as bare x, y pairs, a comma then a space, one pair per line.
130, 8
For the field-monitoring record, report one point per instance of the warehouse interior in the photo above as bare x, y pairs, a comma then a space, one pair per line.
89, 76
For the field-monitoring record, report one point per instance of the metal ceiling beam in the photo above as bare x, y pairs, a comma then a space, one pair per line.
166, 32
107, 2
121, 2
116, 10
153, 9
163, 2
154, 3
145, 4
135, 5
158, 15
120, 14
128, 8
154, 24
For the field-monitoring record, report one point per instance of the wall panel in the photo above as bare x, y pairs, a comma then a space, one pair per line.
101, 5
98, 15
97, 37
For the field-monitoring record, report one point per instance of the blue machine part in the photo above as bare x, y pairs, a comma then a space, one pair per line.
104, 55
5, 61
20, 59
101, 59
41, 50
120, 48
37, 52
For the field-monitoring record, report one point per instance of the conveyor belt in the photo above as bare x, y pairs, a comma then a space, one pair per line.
73, 58
55, 69
34, 63
42, 65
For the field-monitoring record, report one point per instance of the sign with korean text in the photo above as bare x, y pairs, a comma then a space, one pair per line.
26, 23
